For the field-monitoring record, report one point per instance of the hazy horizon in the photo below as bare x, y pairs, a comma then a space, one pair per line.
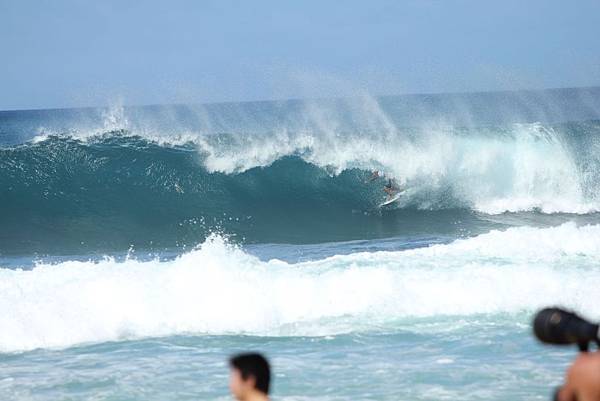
119, 103
67, 54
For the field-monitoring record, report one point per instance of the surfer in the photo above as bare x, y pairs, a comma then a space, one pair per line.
250, 377
390, 188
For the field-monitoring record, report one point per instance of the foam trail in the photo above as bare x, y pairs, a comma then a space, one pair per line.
219, 289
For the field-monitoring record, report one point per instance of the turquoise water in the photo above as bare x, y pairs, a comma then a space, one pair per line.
141, 247
494, 362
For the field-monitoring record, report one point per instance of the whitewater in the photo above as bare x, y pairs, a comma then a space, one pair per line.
141, 246
219, 289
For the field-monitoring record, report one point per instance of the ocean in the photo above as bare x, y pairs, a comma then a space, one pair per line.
140, 247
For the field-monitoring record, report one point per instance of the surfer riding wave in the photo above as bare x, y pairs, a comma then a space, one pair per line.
391, 188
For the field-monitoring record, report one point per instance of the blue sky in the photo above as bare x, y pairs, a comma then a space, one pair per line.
65, 53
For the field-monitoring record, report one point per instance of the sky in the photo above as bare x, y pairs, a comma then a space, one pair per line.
71, 53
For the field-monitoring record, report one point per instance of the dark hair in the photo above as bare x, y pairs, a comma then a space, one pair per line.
254, 365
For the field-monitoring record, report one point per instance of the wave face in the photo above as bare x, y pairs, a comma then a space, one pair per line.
96, 180
114, 190
218, 289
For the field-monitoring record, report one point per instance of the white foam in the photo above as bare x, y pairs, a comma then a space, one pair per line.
219, 289
528, 168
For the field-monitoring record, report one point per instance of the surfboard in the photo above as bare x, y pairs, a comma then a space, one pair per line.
392, 199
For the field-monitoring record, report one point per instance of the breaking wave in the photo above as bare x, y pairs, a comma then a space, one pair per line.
219, 289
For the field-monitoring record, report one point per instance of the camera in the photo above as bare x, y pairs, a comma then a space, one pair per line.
561, 327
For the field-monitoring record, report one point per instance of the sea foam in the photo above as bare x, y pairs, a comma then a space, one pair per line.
219, 289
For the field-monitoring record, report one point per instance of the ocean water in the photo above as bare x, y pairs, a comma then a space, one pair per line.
142, 246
